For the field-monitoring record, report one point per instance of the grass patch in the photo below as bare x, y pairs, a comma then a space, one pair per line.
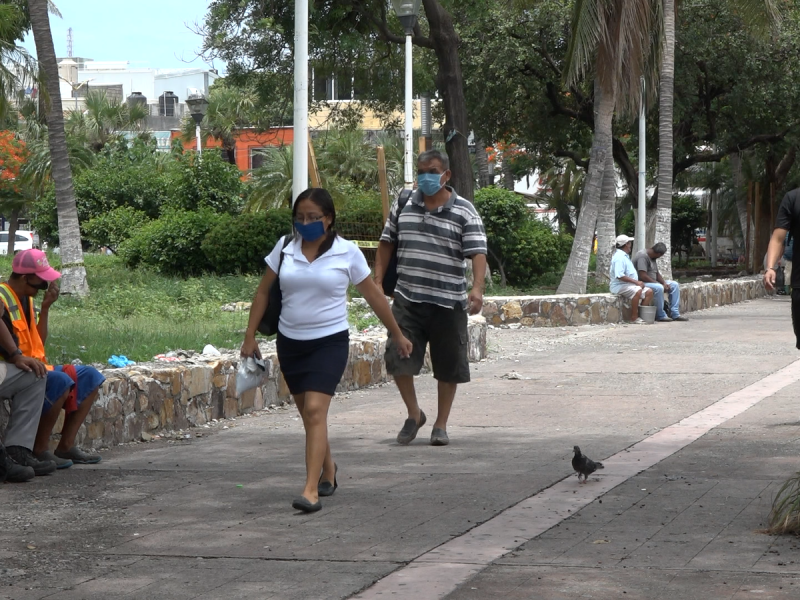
141, 314
785, 514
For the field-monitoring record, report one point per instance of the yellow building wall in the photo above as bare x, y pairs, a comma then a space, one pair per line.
321, 119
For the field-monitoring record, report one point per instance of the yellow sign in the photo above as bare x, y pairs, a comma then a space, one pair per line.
365, 244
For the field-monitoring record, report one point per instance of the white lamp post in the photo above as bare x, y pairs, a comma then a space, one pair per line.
300, 144
198, 106
408, 11
641, 223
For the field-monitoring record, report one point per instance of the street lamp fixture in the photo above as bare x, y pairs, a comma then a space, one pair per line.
408, 12
198, 107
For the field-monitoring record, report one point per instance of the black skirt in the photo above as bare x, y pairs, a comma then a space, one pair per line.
313, 365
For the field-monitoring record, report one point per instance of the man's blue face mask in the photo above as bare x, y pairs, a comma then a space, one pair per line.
430, 183
310, 231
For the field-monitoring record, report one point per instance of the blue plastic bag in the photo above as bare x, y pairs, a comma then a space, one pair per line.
120, 361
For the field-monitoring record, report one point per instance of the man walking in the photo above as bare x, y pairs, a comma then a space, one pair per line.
788, 220
434, 232
646, 265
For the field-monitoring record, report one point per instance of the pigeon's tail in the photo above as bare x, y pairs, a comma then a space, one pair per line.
599, 465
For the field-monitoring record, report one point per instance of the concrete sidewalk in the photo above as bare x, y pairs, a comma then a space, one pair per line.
210, 517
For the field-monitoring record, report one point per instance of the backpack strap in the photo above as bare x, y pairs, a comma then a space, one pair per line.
287, 239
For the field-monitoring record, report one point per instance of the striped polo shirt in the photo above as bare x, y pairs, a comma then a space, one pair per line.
432, 246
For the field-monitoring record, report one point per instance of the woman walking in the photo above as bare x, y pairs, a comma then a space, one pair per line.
313, 341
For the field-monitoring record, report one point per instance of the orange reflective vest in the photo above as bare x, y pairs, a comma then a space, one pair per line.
29, 340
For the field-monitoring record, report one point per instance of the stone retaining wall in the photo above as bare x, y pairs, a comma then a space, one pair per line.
148, 398
595, 309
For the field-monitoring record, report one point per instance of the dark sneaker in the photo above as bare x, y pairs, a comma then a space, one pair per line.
680, 318
61, 463
25, 458
439, 437
14, 473
410, 429
665, 320
78, 456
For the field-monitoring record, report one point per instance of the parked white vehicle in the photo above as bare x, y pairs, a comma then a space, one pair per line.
24, 240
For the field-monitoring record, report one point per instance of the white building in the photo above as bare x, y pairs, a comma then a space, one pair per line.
119, 79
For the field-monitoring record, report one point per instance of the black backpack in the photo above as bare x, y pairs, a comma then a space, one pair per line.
390, 276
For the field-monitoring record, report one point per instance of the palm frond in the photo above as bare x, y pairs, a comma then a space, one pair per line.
270, 186
587, 30
762, 16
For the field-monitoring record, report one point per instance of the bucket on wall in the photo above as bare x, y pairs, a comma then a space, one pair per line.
648, 314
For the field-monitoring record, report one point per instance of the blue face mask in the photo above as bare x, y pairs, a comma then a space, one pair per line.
310, 232
429, 183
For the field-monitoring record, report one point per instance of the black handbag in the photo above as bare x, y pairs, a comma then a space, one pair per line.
269, 322
390, 276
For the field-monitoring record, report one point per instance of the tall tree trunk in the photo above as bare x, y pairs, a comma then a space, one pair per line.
484, 178
450, 82
508, 176
606, 226
574, 280
13, 222
73, 280
666, 90
741, 196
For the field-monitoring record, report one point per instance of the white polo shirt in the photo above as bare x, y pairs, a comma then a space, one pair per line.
315, 294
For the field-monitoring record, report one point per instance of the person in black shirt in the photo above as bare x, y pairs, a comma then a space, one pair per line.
788, 220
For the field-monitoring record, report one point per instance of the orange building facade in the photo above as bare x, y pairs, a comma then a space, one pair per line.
248, 142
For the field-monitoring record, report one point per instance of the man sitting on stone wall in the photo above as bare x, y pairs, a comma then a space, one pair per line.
624, 278
22, 380
73, 388
645, 263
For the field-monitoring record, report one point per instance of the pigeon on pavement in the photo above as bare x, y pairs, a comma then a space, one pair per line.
584, 465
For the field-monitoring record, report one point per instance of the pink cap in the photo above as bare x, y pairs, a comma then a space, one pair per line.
34, 262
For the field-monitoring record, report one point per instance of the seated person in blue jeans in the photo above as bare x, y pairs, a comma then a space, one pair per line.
645, 262
73, 388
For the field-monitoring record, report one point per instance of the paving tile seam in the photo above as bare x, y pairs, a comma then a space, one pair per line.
677, 570
420, 579
195, 556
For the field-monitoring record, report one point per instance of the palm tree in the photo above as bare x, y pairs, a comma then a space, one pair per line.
761, 14
345, 154
73, 279
17, 67
270, 185
616, 38
562, 187
103, 119
229, 108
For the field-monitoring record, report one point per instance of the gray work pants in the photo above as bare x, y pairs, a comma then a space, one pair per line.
26, 393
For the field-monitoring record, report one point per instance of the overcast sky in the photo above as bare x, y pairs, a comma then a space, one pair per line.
147, 33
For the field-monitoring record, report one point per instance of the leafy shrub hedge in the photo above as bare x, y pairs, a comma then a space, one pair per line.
239, 244
520, 246
172, 244
114, 227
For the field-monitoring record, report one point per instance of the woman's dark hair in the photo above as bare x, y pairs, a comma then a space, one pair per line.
322, 198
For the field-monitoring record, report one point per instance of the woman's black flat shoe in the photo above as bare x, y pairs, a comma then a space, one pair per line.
302, 503
326, 488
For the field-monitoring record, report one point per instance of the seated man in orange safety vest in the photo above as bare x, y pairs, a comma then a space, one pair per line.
73, 388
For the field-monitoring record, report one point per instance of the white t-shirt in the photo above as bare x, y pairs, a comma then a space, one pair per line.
315, 294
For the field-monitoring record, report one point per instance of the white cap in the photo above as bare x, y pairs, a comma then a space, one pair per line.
622, 240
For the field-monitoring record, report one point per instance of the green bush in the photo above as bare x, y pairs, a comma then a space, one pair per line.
205, 181
536, 251
138, 177
114, 227
44, 217
519, 244
172, 244
239, 244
